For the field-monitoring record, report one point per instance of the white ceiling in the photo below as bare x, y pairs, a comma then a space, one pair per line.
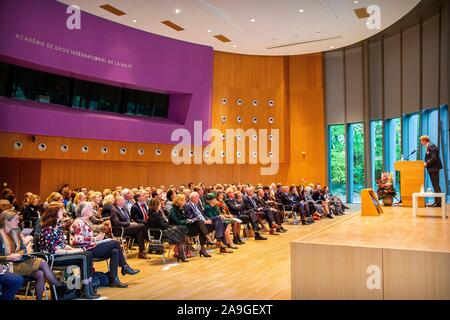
277, 22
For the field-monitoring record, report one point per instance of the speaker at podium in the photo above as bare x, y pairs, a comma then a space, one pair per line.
369, 203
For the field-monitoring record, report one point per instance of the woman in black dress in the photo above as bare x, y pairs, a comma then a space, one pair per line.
174, 234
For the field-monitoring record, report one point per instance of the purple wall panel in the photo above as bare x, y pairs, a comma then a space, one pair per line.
152, 62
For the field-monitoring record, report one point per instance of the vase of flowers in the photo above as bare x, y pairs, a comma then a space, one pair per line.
386, 190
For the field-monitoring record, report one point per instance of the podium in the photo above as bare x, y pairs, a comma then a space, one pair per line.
411, 179
369, 203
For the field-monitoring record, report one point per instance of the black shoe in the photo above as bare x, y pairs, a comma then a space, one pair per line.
204, 253
115, 283
236, 241
259, 237
306, 223
240, 241
89, 293
128, 270
330, 216
65, 293
281, 230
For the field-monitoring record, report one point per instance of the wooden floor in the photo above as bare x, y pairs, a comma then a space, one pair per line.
257, 270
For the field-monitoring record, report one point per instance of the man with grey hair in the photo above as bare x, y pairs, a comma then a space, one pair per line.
128, 196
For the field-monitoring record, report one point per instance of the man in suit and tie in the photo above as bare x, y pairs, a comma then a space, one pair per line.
251, 203
139, 210
433, 164
120, 218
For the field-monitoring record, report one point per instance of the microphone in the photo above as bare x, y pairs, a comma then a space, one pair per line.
409, 155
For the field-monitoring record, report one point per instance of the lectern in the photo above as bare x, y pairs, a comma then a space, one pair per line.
411, 179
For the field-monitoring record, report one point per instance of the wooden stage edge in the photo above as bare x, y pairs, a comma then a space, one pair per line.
392, 256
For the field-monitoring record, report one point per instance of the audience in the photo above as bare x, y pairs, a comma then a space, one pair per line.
82, 236
218, 211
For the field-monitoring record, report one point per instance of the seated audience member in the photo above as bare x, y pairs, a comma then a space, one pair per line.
13, 250
108, 202
72, 206
32, 211
128, 196
139, 210
120, 218
53, 197
82, 236
236, 206
291, 201
195, 226
318, 197
100, 223
97, 224
106, 192
336, 205
264, 213
313, 206
212, 211
26, 196
10, 283
52, 240
11, 197
277, 214
175, 235
5, 205
194, 211
225, 211
5, 191
201, 194
169, 197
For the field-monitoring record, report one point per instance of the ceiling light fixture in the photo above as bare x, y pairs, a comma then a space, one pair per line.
301, 10
234, 46
331, 47
209, 30
134, 21
252, 20
355, 1
318, 31
177, 11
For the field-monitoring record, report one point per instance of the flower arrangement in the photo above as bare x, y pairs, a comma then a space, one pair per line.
386, 185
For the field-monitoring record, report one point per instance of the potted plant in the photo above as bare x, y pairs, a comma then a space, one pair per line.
386, 190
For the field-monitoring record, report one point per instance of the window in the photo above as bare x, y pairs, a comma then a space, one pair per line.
336, 157
445, 153
393, 148
28, 84
376, 150
411, 135
355, 161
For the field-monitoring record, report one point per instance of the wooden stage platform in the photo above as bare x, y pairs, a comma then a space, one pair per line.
261, 270
393, 256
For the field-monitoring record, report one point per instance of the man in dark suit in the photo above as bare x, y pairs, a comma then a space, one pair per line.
120, 217
295, 206
277, 215
236, 206
139, 210
251, 203
433, 164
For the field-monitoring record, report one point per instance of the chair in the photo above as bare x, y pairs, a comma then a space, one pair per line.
126, 241
155, 237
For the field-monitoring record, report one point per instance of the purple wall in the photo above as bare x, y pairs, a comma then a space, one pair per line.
152, 62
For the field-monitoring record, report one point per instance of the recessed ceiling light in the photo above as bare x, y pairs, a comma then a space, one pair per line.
134, 21
209, 30
301, 10
355, 1
177, 11
252, 20
331, 47
318, 31
234, 46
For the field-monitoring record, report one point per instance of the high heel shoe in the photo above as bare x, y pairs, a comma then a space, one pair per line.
225, 250
204, 253
182, 253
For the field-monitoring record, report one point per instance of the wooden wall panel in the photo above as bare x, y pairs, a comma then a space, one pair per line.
294, 83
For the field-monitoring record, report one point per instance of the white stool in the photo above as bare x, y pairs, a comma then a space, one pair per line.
416, 195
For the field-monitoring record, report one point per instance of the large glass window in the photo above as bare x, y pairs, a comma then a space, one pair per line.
28, 84
393, 148
336, 160
376, 150
445, 148
411, 135
355, 161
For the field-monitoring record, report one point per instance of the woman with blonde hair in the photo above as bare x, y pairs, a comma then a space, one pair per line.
108, 202
32, 212
72, 205
13, 250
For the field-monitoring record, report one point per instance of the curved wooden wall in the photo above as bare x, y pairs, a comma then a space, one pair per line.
294, 83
